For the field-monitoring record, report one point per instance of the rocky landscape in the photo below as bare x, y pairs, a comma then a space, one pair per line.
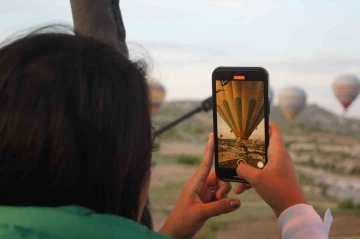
325, 149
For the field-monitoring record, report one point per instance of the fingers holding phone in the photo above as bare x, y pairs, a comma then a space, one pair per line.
219, 188
203, 196
277, 183
242, 187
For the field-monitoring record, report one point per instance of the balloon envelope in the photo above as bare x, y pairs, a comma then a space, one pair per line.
346, 88
157, 95
241, 106
291, 101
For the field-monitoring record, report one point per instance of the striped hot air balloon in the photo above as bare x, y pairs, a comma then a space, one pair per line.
291, 101
241, 105
157, 95
346, 88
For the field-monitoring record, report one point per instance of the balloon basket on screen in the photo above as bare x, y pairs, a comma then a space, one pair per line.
243, 151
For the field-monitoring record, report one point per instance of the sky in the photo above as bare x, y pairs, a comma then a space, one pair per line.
301, 43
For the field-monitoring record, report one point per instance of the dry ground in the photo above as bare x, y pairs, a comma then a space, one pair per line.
254, 219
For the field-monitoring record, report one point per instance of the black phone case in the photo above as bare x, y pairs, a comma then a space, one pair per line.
220, 172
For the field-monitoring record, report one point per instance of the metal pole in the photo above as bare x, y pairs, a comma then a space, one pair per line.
205, 106
177, 121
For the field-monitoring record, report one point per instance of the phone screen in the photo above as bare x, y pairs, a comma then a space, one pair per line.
241, 124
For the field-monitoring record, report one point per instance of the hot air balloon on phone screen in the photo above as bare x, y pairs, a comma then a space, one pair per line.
346, 88
241, 106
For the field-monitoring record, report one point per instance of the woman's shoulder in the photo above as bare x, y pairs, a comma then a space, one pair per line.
68, 222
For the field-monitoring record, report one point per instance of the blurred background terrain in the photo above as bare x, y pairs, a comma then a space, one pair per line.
326, 151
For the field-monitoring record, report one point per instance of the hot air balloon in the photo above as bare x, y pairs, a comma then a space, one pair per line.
157, 95
241, 105
346, 88
291, 101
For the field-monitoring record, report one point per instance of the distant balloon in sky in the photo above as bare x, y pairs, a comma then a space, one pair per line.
291, 101
241, 106
157, 95
346, 88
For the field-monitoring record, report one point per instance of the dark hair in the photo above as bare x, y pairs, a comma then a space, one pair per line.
74, 123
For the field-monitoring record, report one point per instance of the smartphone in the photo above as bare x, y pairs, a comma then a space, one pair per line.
241, 119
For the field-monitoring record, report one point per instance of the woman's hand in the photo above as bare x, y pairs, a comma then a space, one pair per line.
277, 183
204, 196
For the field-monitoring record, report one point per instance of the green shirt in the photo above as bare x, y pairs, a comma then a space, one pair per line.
69, 222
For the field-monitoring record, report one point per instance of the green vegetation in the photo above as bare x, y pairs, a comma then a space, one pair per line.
311, 163
165, 196
288, 144
339, 156
211, 228
188, 160
164, 159
332, 141
355, 171
304, 179
183, 159
324, 189
348, 204
245, 213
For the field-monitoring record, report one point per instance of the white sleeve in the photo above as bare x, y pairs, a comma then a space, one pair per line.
301, 221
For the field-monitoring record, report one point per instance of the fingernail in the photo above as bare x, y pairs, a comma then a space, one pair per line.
234, 204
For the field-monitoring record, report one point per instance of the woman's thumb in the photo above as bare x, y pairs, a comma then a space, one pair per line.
219, 207
248, 173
